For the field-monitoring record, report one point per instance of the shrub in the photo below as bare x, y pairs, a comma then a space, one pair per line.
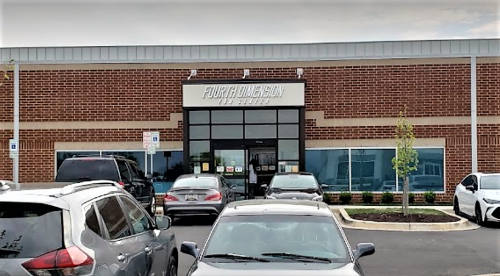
345, 197
430, 197
327, 198
387, 197
411, 198
367, 197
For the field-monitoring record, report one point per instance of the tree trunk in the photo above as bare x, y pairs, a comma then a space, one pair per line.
406, 186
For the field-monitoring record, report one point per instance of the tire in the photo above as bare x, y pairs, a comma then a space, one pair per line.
172, 267
456, 207
152, 205
478, 216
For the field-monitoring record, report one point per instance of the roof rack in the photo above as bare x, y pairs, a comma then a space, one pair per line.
99, 155
87, 185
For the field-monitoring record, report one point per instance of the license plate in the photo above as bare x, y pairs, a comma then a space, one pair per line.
191, 197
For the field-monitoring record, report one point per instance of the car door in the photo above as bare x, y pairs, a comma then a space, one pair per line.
155, 247
140, 182
121, 252
465, 199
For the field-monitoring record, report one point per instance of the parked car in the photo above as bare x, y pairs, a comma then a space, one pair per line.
198, 194
86, 228
110, 167
276, 237
291, 185
478, 196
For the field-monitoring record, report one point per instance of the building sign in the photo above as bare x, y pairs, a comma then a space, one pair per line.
243, 94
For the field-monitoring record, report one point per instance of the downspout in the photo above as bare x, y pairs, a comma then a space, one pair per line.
15, 160
473, 111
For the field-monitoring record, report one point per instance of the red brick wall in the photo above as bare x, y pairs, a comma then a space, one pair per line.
341, 92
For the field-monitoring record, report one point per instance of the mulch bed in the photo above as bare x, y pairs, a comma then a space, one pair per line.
398, 217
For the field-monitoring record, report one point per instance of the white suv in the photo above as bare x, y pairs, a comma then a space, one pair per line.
478, 196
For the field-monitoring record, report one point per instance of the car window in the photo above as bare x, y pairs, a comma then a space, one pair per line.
133, 170
91, 219
28, 230
87, 169
113, 217
139, 220
294, 181
123, 170
490, 182
258, 234
467, 181
196, 182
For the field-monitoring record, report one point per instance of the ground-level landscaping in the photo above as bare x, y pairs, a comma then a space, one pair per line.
396, 215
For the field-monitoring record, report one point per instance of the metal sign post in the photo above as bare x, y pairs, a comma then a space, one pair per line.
15, 156
151, 142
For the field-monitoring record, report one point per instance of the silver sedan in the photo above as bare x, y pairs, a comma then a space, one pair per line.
198, 194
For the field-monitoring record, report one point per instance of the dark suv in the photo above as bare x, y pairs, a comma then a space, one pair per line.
87, 228
110, 167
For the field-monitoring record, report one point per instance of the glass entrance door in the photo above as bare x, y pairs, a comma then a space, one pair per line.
231, 163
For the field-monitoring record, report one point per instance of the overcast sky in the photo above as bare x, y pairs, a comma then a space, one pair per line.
188, 22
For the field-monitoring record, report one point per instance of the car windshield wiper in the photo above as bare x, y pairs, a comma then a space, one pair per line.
296, 257
235, 257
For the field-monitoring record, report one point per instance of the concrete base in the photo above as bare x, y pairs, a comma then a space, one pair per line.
348, 222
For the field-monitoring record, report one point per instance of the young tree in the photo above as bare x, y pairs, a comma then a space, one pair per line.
9, 66
406, 159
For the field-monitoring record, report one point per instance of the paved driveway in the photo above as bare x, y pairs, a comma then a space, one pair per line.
397, 253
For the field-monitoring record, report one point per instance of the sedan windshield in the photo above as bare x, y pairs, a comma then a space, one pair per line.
195, 182
490, 182
277, 238
294, 182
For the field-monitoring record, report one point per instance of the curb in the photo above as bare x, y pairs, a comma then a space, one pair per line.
348, 222
496, 274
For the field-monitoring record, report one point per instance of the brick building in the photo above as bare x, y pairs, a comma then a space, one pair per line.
326, 108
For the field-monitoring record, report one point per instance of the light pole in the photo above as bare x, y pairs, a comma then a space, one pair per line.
15, 160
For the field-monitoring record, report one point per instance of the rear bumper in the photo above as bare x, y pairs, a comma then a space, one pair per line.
192, 209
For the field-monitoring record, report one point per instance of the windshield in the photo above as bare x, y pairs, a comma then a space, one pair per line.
87, 169
256, 235
28, 230
294, 182
490, 182
195, 182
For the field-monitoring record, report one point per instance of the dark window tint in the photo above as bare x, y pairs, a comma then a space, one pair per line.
195, 182
87, 169
122, 167
288, 116
138, 218
113, 217
28, 230
91, 220
199, 117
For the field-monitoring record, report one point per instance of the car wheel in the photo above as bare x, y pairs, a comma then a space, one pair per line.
152, 204
172, 266
479, 217
456, 207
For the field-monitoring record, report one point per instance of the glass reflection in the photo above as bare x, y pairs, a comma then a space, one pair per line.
372, 170
137, 156
430, 173
167, 166
62, 155
331, 167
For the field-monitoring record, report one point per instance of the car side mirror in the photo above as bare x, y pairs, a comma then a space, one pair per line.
324, 186
470, 188
149, 176
263, 186
163, 222
190, 248
363, 249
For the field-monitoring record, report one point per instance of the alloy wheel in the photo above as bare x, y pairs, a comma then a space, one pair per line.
479, 218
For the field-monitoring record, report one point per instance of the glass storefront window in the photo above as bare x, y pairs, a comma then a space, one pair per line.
288, 149
62, 155
137, 156
372, 170
199, 117
227, 116
167, 167
199, 150
430, 173
227, 132
288, 116
288, 131
199, 132
260, 116
288, 166
331, 167
260, 131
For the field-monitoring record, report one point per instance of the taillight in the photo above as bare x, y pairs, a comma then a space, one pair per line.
69, 261
121, 184
214, 197
169, 197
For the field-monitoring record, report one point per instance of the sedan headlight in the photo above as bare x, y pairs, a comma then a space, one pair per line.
491, 201
318, 198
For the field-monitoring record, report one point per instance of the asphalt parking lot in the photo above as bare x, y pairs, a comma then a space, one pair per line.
457, 253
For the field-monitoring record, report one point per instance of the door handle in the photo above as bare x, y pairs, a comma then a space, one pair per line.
121, 257
147, 249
